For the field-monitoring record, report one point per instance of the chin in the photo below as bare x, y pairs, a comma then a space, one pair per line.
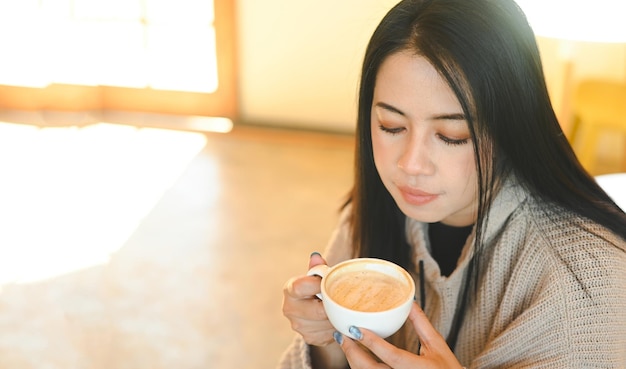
424, 216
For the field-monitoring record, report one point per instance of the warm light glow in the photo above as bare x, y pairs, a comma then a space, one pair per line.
577, 20
209, 124
614, 184
182, 58
128, 43
69, 197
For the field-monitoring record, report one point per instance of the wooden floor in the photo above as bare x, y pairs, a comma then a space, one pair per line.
199, 282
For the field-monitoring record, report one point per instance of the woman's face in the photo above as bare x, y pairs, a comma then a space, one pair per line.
422, 146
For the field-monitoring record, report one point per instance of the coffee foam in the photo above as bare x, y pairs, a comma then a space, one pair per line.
367, 290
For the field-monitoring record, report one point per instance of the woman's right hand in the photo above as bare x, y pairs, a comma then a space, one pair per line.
304, 310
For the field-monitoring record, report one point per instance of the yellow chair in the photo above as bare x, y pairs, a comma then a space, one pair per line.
598, 106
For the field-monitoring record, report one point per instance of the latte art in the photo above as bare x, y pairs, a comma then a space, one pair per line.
367, 290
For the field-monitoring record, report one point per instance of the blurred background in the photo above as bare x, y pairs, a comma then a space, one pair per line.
167, 165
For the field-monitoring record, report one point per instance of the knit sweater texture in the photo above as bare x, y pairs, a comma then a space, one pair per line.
551, 294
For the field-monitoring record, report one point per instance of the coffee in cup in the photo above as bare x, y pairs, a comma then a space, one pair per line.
365, 292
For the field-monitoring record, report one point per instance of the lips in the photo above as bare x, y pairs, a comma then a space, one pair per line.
416, 197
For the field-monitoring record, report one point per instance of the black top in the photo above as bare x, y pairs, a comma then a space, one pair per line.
446, 243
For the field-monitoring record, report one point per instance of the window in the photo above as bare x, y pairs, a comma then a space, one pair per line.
158, 44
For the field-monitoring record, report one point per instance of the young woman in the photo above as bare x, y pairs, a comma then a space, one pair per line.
462, 168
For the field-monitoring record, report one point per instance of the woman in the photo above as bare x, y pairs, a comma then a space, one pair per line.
461, 165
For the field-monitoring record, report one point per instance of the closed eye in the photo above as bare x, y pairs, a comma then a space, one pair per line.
453, 141
393, 131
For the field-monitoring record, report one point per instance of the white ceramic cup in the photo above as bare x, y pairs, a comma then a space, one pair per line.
380, 302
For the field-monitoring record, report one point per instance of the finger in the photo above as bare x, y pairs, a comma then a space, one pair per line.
302, 287
318, 333
308, 318
307, 309
434, 346
385, 351
357, 355
316, 259
428, 335
304, 310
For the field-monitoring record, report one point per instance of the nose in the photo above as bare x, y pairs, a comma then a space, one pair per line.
416, 158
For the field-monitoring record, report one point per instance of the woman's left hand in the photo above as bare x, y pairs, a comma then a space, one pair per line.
434, 352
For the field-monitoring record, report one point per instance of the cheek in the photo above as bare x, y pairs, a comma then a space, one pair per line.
467, 174
465, 160
468, 166
459, 168
383, 153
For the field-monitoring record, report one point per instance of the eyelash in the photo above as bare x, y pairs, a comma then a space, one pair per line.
452, 142
392, 131
446, 140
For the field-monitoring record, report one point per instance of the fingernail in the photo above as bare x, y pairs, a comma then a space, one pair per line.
356, 332
338, 337
315, 253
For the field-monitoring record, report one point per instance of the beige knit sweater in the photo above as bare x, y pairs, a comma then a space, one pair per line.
551, 295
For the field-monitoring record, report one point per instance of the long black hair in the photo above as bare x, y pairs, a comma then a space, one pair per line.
487, 53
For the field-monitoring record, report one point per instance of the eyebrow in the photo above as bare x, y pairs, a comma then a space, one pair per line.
390, 108
393, 109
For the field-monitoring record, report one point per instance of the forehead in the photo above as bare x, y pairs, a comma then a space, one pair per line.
409, 82
399, 64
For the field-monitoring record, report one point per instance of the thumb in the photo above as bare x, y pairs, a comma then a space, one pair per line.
427, 334
316, 259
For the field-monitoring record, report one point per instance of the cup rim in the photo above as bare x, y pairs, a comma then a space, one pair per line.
407, 276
